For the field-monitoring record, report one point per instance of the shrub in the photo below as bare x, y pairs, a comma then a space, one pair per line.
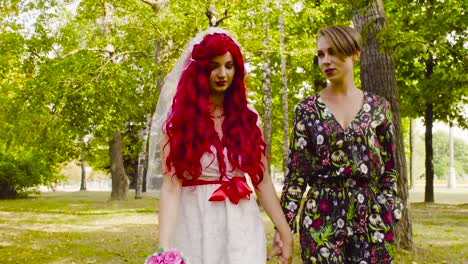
21, 170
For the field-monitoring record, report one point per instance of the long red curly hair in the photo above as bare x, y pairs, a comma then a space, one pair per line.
190, 128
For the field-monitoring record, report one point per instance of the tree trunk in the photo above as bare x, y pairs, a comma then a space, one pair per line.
378, 76
83, 170
284, 91
107, 19
429, 192
7, 191
142, 159
139, 178
412, 156
212, 14
267, 101
145, 173
428, 118
119, 177
452, 179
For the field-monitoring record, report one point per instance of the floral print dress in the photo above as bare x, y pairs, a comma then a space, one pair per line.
350, 208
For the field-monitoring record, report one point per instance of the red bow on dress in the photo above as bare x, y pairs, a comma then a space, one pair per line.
235, 189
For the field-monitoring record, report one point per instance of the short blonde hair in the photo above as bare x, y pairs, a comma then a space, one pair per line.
345, 39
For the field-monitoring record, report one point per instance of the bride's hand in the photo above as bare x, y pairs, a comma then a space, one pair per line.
286, 247
277, 248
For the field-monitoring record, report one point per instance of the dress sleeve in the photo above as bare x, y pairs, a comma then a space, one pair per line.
388, 180
295, 181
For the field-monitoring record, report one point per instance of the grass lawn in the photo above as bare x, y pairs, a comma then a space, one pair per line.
84, 227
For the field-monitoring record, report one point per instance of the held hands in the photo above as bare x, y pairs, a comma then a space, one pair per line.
282, 247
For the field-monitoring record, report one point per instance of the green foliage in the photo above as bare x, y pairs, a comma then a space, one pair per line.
31, 142
21, 169
431, 59
256, 25
97, 154
405, 131
441, 155
74, 74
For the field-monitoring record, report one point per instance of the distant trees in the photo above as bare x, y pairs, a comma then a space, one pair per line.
427, 39
97, 69
441, 155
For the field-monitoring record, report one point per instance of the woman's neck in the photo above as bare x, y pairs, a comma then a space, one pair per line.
345, 88
217, 104
217, 99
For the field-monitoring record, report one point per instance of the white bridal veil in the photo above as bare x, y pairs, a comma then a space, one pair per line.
164, 105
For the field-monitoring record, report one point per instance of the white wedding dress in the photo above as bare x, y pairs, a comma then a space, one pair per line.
218, 232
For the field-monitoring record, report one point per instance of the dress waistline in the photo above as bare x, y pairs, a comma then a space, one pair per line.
235, 188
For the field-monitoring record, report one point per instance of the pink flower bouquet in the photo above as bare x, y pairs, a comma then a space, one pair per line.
170, 256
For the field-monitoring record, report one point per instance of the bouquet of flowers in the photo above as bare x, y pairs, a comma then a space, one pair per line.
162, 256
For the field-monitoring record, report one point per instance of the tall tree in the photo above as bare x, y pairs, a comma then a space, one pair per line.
378, 76
431, 61
266, 83
452, 178
142, 159
119, 177
83, 168
412, 166
32, 142
284, 90
98, 76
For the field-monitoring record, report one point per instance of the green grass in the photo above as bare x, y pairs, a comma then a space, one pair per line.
81, 227
440, 233
84, 227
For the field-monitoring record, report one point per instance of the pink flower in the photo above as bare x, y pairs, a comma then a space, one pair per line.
392, 148
324, 206
389, 165
389, 236
361, 184
325, 162
347, 170
317, 223
313, 245
363, 222
166, 257
376, 142
388, 218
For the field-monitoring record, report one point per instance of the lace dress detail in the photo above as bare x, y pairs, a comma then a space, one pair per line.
219, 232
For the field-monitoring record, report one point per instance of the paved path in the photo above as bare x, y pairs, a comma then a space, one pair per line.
442, 194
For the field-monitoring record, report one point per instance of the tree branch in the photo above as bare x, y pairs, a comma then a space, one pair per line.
155, 4
221, 20
73, 52
212, 19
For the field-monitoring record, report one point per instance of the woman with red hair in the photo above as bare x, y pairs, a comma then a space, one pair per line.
211, 142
